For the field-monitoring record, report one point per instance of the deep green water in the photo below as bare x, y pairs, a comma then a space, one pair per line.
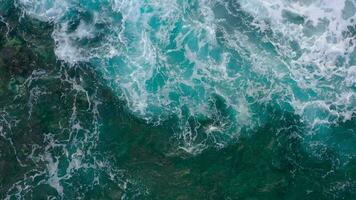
225, 99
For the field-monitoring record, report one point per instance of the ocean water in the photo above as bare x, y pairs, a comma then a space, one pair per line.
177, 99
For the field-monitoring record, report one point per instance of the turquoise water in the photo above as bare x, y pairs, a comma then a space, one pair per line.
205, 99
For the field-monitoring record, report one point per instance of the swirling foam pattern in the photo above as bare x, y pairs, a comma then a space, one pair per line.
177, 57
214, 65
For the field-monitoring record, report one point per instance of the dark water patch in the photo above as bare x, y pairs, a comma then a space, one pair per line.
270, 163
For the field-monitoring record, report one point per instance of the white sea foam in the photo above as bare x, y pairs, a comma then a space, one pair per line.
46, 10
311, 70
131, 44
323, 40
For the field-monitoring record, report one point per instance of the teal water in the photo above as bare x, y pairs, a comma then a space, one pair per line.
206, 99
